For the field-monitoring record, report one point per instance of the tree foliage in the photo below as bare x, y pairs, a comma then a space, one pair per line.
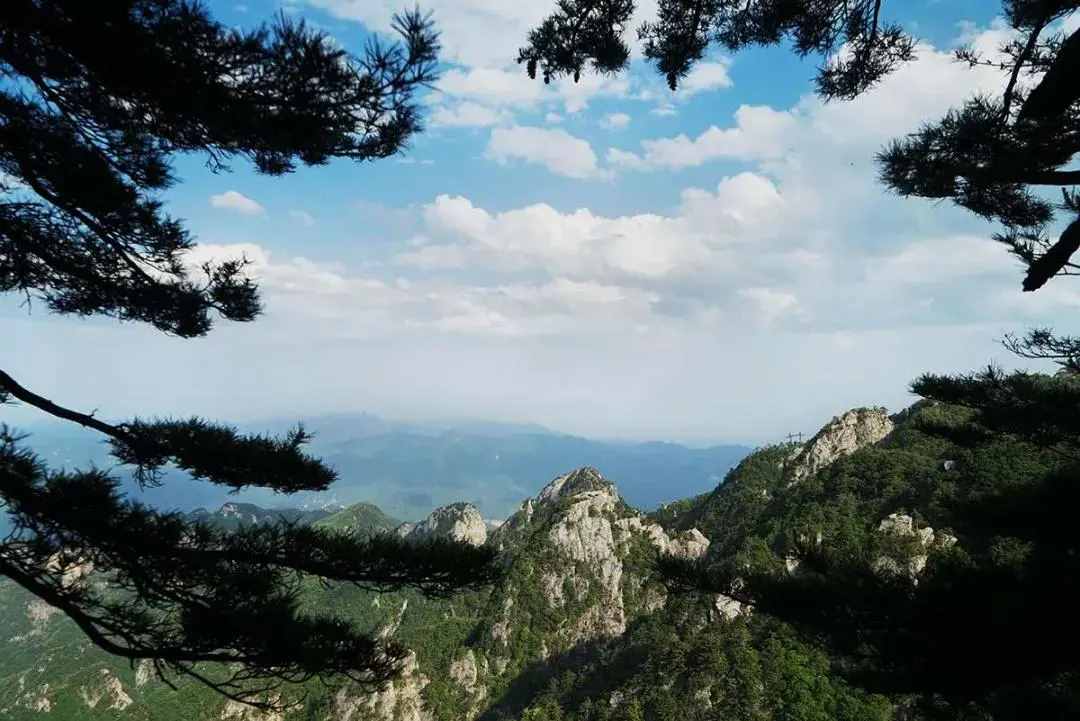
95, 100
98, 97
589, 33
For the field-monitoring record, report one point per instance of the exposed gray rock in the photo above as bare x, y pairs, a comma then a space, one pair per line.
926, 541
728, 608
401, 700
460, 522
840, 437
110, 692
236, 711
464, 671
590, 530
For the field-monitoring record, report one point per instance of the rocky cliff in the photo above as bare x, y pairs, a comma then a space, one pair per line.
459, 522
842, 436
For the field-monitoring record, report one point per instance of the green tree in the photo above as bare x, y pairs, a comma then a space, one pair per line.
95, 100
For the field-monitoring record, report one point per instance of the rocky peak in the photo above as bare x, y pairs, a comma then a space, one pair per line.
582, 480
457, 522
842, 436
581, 550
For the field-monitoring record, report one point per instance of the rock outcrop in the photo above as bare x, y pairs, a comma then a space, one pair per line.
109, 693
460, 522
922, 542
840, 437
400, 700
587, 539
727, 608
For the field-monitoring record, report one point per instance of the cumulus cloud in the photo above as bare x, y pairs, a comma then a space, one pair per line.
557, 150
916, 92
696, 249
759, 133
491, 86
503, 90
466, 114
236, 201
704, 77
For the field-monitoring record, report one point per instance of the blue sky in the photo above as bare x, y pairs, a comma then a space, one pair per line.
606, 258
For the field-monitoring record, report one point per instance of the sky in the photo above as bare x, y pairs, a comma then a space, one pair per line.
606, 258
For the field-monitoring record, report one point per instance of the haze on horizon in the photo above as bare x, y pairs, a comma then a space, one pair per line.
606, 259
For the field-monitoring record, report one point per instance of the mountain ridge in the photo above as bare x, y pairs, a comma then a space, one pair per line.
581, 628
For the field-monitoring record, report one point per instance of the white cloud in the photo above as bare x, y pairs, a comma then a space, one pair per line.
704, 77
828, 132
501, 25
467, 114
615, 121
486, 74
493, 87
238, 202
699, 242
759, 133
557, 150
510, 89
553, 118
796, 274
303, 217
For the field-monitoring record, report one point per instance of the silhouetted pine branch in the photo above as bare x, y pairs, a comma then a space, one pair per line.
182, 594
96, 99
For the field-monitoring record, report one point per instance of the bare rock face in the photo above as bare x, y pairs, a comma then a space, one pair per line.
464, 671
110, 693
236, 711
840, 437
467, 672
924, 541
727, 608
144, 672
588, 534
400, 700
35, 699
460, 522
690, 544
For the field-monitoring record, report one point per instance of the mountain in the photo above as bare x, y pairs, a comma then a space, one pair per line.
408, 468
579, 593
233, 515
581, 628
360, 518
407, 472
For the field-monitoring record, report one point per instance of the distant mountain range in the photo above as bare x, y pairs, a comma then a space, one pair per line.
408, 469
358, 518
